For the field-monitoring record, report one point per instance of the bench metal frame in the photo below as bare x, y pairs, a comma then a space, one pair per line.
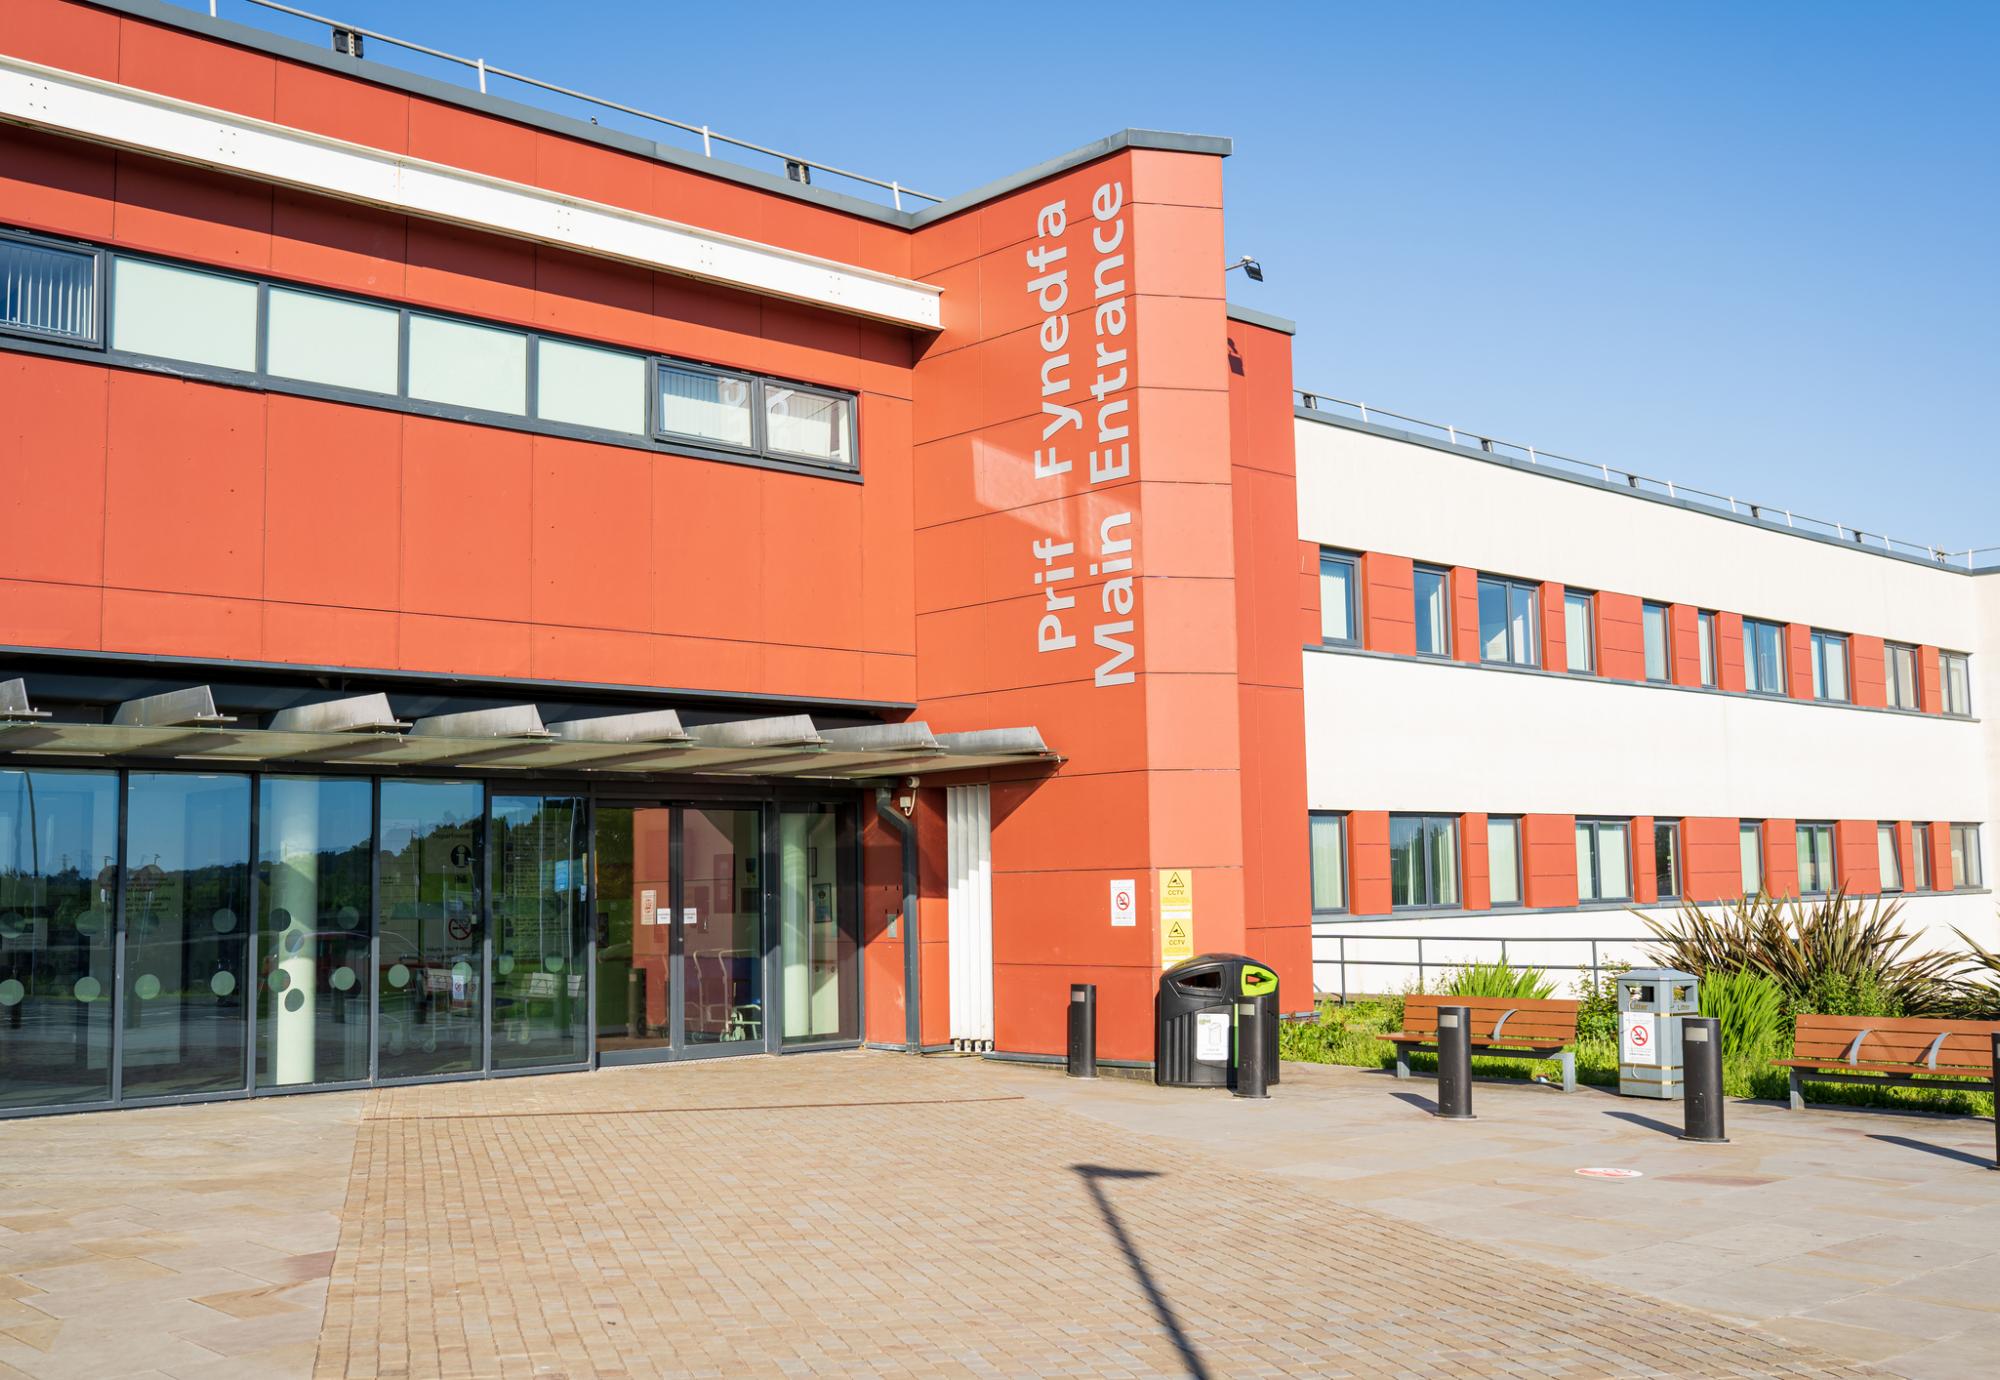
1801, 1077
1564, 1055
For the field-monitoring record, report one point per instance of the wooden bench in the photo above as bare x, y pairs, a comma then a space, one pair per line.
1504, 1027
1890, 1051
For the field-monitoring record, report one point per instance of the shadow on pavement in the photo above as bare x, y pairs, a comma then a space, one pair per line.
1093, 1176
1944, 1150
1419, 1101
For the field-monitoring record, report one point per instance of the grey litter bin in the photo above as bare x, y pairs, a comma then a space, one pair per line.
1651, 1004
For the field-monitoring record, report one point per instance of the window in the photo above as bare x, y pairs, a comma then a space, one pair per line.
1339, 618
46, 291
1750, 855
1900, 667
1815, 859
1433, 612
705, 405
1920, 857
1957, 678
1829, 666
319, 339
1507, 622
1328, 839
1603, 870
1888, 858
1704, 636
808, 424
468, 366
1423, 860
176, 313
1964, 855
1667, 857
1577, 634
1503, 857
583, 386
1659, 659
1763, 657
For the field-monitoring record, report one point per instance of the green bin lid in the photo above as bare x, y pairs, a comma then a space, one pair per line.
1257, 980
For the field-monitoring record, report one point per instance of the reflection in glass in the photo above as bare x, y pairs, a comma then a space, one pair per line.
1433, 624
634, 900
817, 923
187, 906
313, 838
429, 966
58, 846
539, 944
722, 925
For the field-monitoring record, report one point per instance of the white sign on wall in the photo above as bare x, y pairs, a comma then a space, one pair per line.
649, 907
1124, 901
1638, 1037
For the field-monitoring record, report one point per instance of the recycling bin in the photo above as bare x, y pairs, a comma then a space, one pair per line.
1197, 1030
1651, 1005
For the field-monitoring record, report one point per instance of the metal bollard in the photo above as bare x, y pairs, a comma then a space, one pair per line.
1253, 1070
1083, 1030
1455, 1063
1701, 1073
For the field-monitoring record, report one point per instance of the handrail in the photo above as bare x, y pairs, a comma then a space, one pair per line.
1640, 483
709, 137
1595, 967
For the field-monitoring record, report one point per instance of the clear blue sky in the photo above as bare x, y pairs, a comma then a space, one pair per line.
1749, 247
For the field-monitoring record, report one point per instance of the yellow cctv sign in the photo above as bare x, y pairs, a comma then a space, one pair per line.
1176, 916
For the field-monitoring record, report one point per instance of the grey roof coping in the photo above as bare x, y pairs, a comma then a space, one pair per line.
1250, 316
383, 74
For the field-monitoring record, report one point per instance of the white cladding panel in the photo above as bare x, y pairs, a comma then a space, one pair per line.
1376, 493
969, 867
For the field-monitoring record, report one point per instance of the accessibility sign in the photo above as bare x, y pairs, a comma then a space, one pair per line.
1176, 915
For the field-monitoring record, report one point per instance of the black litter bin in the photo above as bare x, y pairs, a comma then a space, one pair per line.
1195, 1021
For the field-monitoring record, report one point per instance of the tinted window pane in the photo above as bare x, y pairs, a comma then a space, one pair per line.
1503, 853
1492, 620
1336, 599
1577, 633
1329, 862
1433, 636
1705, 638
588, 387
1521, 624
1654, 619
817, 946
48, 291
1888, 859
179, 314
1442, 842
323, 340
810, 425
1667, 858
539, 941
711, 407
468, 366
1920, 857
429, 964
1763, 657
1406, 860
1749, 842
58, 846
1614, 865
314, 852
1957, 683
187, 932
1900, 663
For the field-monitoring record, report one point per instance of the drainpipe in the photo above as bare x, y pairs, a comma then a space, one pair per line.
885, 807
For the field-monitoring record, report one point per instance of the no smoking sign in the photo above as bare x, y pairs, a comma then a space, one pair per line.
1124, 901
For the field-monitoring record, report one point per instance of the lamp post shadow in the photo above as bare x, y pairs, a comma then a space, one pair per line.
1094, 1177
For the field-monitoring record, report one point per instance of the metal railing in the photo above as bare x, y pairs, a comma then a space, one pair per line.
796, 166
1972, 559
1458, 960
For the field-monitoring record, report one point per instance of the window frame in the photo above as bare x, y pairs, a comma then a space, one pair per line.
1425, 870
1802, 828
1589, 601
1596, 825
1915, 680
1662, 829
1945, 660
1444, 585
99, 295
1817, 641
1782, 689
1666, 615
1920, 858
1508, 587
1895, 856
1346, 907
1754, 828
849, 403
1968, 851
1708, 648
1334, 556
1516, 823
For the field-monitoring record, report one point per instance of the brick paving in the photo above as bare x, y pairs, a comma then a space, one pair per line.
868, 1214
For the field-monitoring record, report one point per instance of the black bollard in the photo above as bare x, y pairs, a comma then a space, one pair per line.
1455, 1063
1253, 1068
1701, 1068
1083, 1030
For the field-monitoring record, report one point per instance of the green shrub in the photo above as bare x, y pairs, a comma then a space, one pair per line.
1845, 994
1342, 1034
1597, 1009
1497, 980
1751, 1009
1978, 994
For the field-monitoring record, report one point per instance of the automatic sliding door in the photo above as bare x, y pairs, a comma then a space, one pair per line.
429, 968
722, 924
634, 902
539, 942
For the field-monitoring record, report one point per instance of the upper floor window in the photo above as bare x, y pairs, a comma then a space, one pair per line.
1763, 657
48, 291
1829, 666
1579, 632
1899, 665
1659, 648
1431, 587
1888, 858
1705, 646
1503, 859
1920, 857
1603, 860
1816, 871
1965, 855
1339, 612
1957, 682
1423, 860
1750, 855
1667, 857
1507, 622
1328, 842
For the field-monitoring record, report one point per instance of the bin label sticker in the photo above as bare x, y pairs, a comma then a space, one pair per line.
1176, 916
1124, 901
1638, 1037
1211, 1037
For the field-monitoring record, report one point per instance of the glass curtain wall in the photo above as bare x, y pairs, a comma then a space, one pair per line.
819, 940
58, 900
540, 946
187, 933
314, 858
429, 966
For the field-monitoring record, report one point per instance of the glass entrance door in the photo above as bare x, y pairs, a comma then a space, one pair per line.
430, 965
722, 925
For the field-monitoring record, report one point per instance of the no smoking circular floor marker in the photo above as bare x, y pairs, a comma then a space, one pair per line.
1602, 1173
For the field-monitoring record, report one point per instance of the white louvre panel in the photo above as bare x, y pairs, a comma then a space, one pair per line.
969, 857
124, 116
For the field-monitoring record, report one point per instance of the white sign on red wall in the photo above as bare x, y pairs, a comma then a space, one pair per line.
1124, 901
